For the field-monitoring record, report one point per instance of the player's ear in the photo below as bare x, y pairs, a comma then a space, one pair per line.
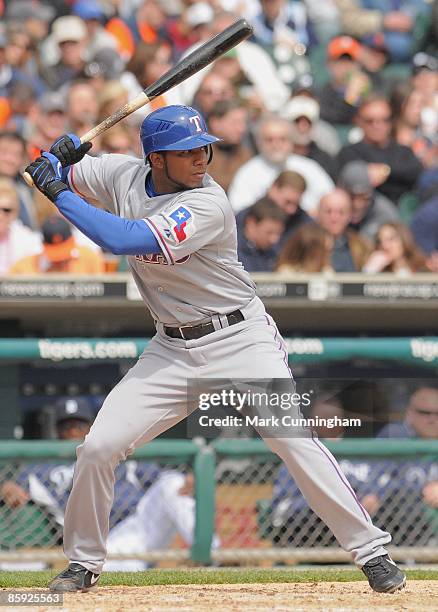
156, 160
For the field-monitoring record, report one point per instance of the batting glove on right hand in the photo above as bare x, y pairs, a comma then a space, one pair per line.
69, 150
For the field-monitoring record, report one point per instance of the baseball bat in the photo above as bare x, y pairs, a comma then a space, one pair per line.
190, 65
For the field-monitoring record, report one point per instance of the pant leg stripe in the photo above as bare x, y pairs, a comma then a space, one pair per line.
346, 483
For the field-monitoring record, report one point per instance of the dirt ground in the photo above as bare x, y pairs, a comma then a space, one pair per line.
419, 595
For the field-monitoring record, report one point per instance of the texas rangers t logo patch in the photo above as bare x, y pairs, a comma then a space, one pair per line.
181, 216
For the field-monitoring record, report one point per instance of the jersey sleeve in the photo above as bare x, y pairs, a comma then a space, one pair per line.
93, 180
187, 225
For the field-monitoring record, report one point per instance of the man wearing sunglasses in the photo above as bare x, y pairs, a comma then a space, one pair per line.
393, 168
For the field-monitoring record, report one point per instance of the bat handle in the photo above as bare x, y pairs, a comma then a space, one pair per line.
123, 112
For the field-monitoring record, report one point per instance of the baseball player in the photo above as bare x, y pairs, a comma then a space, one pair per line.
178, 230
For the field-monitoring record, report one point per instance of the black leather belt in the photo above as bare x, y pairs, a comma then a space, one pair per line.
193, 332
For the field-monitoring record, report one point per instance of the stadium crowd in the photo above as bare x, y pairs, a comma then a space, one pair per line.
328, 117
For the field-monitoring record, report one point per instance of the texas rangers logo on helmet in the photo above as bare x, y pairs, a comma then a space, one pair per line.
182, 217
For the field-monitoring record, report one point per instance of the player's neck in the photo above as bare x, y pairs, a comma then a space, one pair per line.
161, 184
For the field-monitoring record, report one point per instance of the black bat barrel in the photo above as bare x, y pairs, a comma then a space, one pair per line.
200, 57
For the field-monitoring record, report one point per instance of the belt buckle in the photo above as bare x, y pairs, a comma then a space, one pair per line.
184, 327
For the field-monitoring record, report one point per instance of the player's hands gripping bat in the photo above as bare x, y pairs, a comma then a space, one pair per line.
69, 149
187, 67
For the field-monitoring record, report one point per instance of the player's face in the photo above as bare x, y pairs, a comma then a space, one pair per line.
182, 169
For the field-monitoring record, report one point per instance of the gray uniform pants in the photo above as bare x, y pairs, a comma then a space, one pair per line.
151, 398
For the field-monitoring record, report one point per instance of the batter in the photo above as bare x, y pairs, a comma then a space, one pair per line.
178, 229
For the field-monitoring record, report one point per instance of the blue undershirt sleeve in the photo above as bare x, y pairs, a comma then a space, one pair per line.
115, 234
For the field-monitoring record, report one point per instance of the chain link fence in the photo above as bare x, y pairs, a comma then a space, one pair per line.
154, 509
259, 506
241, 491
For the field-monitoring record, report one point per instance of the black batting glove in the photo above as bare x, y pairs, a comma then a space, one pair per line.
46, 174
69, 150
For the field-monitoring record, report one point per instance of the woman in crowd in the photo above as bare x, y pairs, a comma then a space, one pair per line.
409, 119
308, 251
395, 252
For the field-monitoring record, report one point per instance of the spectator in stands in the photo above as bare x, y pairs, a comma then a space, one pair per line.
49, 122
425, 82
111, 97
279, 21
60, 253
307, 251
149, 62
16, 240
70, 35
395, 252
348, 84
213, 88
21, 104
395, 20
408, 113
373, 58
421, 417
370, 209
292, 520
147, 21
104, 66
12, 159
19, 53
228, 120
424, 227
32, 16
303, 113
258, 235
323, 133
393, 167
117, 140
82, 107
93, 17
273, 136
287, 191
350, 251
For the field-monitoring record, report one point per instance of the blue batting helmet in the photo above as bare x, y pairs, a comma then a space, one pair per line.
174, 128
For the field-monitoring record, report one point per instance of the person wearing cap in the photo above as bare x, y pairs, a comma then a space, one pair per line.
370, 209
348, 84
93, 16
303, 113
60, 253
69, 34
16, 240
425, 81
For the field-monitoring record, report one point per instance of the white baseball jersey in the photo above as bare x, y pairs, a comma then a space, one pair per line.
198, 273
